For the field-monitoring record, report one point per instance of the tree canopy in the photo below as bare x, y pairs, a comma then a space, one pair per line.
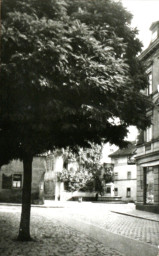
68, 68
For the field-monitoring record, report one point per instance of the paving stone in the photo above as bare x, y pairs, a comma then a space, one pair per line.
51, 239
54, 238
136, 228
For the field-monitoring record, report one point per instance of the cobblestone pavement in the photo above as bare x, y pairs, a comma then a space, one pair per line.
52, 238
139, 229
143, 230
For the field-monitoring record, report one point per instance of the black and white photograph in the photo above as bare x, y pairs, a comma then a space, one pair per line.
79, 128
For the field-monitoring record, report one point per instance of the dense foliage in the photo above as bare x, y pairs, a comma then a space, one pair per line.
76, 180
90, 175
68, 68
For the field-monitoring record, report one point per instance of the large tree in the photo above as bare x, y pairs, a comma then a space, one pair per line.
68, 70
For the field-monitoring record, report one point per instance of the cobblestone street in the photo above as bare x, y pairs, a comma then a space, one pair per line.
51, 238
143, 230
54, 233
139, 229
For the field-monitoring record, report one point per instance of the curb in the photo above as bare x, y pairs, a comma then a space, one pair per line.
135, 216
34, 205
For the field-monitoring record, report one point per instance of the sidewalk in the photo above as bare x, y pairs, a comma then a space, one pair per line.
130, 210
123, 209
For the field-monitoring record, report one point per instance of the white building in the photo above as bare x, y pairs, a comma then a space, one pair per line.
125, 173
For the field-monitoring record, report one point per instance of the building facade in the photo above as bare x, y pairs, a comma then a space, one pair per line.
45, 185
147, 157
125, 173
11, 180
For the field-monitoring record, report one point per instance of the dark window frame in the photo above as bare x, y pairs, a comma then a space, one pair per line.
128, 192
116, 191
16, 180
6, 181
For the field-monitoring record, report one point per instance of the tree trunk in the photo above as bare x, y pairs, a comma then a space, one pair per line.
24, 229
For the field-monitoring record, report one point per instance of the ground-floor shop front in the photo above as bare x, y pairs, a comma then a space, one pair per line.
148, 182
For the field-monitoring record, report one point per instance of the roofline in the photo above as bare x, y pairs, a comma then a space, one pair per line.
152, 47
154, 24
117, 155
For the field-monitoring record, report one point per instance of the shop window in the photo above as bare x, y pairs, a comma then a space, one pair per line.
128, 192
116, 191
128, 175
17, 181
6, 181
149, 185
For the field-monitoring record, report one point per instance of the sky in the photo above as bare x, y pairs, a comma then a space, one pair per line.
145, 12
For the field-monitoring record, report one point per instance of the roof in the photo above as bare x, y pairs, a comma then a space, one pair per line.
151, 48
130, 150
154, 24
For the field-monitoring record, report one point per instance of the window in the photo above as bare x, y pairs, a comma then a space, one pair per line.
149, 185
11, 181
115, 176
149, 89
130, 160
154, 35
6, 181
47, 164
149, 134
128, 192
116, 191
116, 160
108, 190
128, 175
66, 186
65, 165
141, 184
17, 181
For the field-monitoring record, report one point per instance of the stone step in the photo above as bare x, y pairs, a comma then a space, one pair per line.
110, 198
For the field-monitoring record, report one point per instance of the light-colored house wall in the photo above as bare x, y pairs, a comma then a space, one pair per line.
122, 182
53, 188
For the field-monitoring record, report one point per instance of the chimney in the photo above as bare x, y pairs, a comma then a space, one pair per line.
155, 31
